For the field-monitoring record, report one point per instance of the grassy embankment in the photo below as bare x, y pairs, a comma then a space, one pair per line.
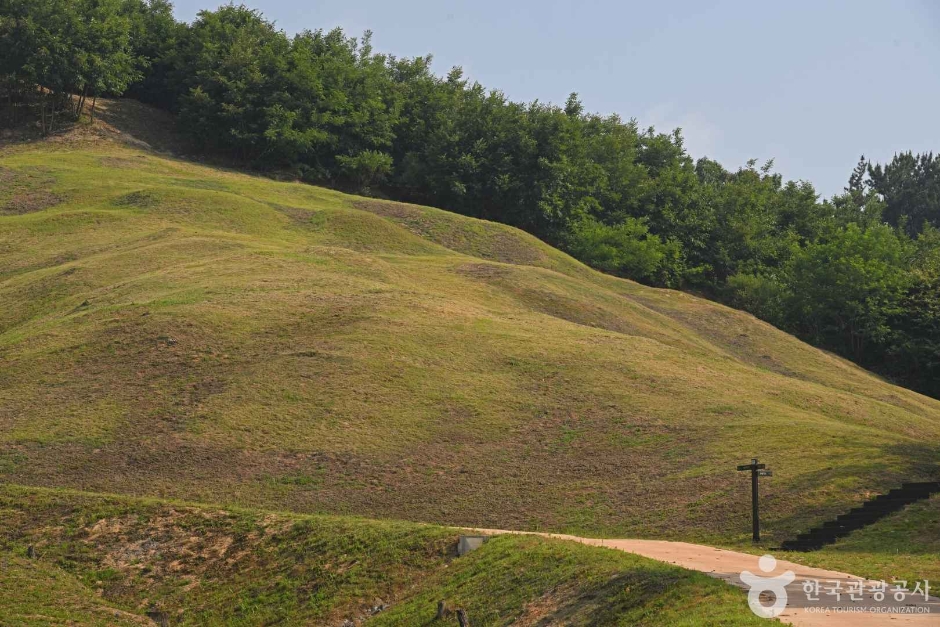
173, 330
108, 561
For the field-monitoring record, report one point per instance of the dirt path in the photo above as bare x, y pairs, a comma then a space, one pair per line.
728, 566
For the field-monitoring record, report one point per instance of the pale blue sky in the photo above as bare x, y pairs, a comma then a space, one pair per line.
811, 84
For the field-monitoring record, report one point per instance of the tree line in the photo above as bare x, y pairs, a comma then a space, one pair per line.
858, 274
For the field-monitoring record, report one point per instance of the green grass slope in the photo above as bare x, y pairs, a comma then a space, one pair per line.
36, 593
108, 560
172, 330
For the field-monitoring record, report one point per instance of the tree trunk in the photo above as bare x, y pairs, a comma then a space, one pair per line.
81, 101
94, 101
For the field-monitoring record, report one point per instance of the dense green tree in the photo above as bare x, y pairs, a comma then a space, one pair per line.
102, 50
625, 249
859, 204
56, 53
341, 105
228, 68
845, 290
155, 38
910, 187
913, 355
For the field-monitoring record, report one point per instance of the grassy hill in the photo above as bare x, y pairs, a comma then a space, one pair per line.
173, 330
102, 560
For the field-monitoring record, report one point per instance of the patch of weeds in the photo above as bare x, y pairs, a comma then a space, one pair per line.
142, 199
10, 461
297, 480
26, 191
30, 202
569, 434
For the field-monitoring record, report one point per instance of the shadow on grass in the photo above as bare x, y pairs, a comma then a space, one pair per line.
603, 603
152, 126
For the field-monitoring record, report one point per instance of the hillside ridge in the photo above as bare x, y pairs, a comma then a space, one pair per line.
178, 330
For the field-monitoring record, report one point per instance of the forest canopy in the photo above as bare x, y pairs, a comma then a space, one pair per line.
858, 274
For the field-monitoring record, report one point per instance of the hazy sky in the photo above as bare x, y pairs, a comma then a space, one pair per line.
811, 84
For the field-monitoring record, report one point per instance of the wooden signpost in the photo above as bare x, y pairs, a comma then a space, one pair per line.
757, 470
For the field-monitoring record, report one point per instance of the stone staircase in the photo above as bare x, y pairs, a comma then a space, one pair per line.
862, 516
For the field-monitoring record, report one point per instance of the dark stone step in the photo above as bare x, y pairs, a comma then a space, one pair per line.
874, 510
873, 514
888, 502
802, 546
933, 485
902, 494
828, 537
835, 532
906, 494
857, 518
815, 538
854, 519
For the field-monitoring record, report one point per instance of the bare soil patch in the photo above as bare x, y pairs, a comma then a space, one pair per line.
30, 202
26, 191
142, 199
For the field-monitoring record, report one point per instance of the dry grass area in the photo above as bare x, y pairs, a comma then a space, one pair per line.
173, 330
25, 191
